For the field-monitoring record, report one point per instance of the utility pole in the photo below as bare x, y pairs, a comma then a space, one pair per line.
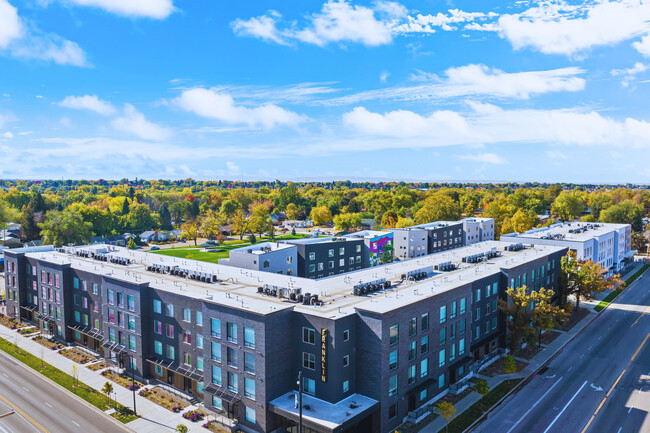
300, 402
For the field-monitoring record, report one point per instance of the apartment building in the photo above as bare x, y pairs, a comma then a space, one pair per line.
273, 257
604, 243
372, 344
323, 257
377, 246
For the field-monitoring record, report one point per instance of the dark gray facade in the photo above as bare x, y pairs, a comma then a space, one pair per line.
318, 258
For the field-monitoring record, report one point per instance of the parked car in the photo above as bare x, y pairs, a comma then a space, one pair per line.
154, 248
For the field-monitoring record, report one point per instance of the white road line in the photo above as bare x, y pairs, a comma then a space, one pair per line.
582, 356
49, 405
533, 406
25, 389
565, 406
570, 368
590, 347
76, 423
4, 375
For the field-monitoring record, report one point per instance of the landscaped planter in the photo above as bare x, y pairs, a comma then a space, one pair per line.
194, 415
121, 379
77, 356
164, 399
50, 344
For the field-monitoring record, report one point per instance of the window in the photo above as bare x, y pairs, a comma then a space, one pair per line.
157, 346
441, 381
169, 310
452, 352
75, 282
477, 295
424, 367
216, 351
346, 386
477, 314
394, 335
312, 268
441, 358
233, 381
443, 314
159, 370
249, 362
412, 350
217, 402
477, 332
187, 337
461, 346
494, 323
495, 288
452, 331
452, 312
463, 305
169, 330
392, 385
95, 289
110, 295
424, 344
130, 302
157, 306
309, 335
215, 327
85, 319
392, 360
199, 318
346, 335
443, 335
199, 363
249, 337
77, 316
231, 332
216, 375
171, 352
346, 360
461, 326
309, 386
308, 360
341, 251
111, 315
392, 411
249, 388
423, 395
424, 322
231, 356
199, 341
132, 342
157, 326
413, 327
312, 256
411, 374
96, 323
342, 262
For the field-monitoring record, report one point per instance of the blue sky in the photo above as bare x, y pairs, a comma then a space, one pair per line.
299, 90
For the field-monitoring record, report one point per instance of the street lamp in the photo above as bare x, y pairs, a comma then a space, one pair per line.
299, 402
130, 359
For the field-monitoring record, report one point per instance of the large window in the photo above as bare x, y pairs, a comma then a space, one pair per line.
392, 385
424, 344
463, 305
130, 302
215, 327
308, 360
250, 414
424, 321
413, 326
411, 374
249, 337
233, 381
309, 335
216, 352
232, 357
394, 334
169, 310
392, 360
216, 375
158, 347
309, 386
157, 306
169, 330
187, 315
249, 362
461, 346
424, 367
199, 318
249, 388
412, 350
232, 332
443, 314
452, 312
441, 358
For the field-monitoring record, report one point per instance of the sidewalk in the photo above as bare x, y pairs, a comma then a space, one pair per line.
153, 417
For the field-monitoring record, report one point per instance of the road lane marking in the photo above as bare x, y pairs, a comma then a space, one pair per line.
76, 423
27, 417
25, 389
5, 375
639, 349
49, 405
533, 406
603, 401
565, 406
640, 317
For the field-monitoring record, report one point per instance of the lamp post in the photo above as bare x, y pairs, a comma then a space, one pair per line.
133, 383
300, 402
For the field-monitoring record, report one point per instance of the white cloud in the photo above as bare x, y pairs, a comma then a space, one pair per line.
489, 124
448, 22
475, 80
214, 104
629, 74
157, 9
134, 122
8, 135
10, 25
232, 167
383, 77
263, 27
560, 28
489, 158
89, 102
643, 46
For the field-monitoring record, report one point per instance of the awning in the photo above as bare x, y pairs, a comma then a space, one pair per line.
44, 318
181, 369
114, 347
31, 308
222, 392
90, 332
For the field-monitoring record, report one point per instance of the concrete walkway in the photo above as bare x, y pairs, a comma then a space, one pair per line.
154, 418
535, 362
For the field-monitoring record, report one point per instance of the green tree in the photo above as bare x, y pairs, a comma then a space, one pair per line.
545, 316
32, 215
568, 206
107, 389
347, 221
228, 208
626, 212
65, 228
584, 279
438, 207
125, 206
252, 239
447, 411
482, 388
239, 223
191, 230
639, 242
321, 215
403, 223
516, 308
509, 364
181, 428
211, 224
292, 211
139, 218
131, 245
165, 217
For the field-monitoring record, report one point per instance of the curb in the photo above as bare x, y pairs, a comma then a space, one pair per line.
69, 393
530, 376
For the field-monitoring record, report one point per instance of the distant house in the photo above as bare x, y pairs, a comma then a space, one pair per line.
117, 240
298, 223
97, 240
36, 243
153, 236
278, 217
368, 223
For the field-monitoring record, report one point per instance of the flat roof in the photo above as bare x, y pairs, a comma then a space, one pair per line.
567, 231
238, 288
263, 248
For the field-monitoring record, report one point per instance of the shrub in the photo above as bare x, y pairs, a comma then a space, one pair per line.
509, 365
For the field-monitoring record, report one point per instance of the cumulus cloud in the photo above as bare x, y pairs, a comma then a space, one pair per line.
488, 158
629, 74
643, 46
134, 122
561, 28
475, 80
215, 104
88, 102
156, 9
10, 25
337, 22
489, 124
445, 21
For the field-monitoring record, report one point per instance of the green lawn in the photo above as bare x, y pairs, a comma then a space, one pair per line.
609, 298
465, 419
194, 252
91, 395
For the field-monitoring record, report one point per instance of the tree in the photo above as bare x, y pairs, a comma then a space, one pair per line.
509, 364
568, 206
292, 212
32, 215
447, 411
252, 239
228, 208
165, 217
545, 316
639, 242
139, 218
346, 221
211, 224
584, 279
131, 245
320, 215
181, 428
191, 230
438, 207
516, 308
107, 389
239, 223
523, 221
403, 223
125, 206
75, 375
64, 228
626, 212
482, 388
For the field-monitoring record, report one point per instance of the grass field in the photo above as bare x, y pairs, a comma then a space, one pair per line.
91, 395
195, 253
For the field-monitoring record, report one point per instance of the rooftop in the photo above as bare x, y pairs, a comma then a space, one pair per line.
262, 248
240, 288
574, 231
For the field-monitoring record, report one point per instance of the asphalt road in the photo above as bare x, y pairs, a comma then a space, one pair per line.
39, 407
599, 383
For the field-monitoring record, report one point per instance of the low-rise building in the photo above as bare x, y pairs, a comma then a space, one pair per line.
378, 246
276, 257
323, 257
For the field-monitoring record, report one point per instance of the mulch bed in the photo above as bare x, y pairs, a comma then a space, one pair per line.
496, 368
528, 352
121, 379
575, 318
10, 322
97, 366
77, 355
455, 398
164, 399
549, 336
50, 344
